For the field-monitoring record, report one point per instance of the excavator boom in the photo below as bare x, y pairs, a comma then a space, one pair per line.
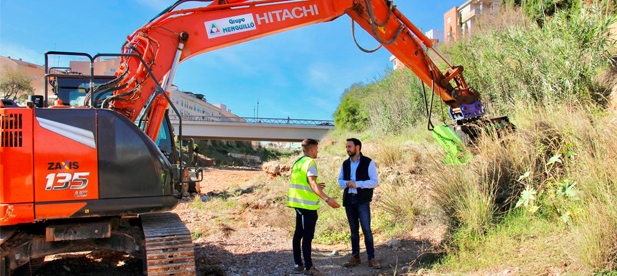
177, 35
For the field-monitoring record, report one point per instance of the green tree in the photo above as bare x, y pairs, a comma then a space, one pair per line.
540, 9
350, 114
510, 3
14, 84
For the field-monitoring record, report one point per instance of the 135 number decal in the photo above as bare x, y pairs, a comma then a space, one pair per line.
64, 181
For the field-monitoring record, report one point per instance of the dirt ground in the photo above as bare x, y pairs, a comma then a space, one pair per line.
262, 247
257, 243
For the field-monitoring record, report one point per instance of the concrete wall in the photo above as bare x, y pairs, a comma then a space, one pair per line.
250, 132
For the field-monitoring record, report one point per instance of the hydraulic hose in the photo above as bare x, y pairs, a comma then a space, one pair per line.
353, 34
374, 29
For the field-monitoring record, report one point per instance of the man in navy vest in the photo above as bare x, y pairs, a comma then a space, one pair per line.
358, 178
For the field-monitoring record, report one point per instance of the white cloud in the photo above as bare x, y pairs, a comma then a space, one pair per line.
16, 51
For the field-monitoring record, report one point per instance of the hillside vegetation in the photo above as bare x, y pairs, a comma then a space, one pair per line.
538, 201
220, 152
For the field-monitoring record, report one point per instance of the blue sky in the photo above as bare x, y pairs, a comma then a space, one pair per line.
300, 73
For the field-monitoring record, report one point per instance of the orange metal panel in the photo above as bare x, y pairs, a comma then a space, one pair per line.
59, 210
16, 182
12, 214
61, 167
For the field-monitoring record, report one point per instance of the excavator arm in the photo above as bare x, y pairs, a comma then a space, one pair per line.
177, 35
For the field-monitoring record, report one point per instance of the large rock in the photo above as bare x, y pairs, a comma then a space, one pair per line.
204, 161
275, 168
394, 244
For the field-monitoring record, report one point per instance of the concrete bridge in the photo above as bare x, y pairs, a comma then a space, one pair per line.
251, 129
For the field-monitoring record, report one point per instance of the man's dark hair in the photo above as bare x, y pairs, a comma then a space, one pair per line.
356, 142
307, 144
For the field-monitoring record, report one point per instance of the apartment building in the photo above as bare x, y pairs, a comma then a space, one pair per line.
191, 104
396, 64
461, 21
35, 72
102, 67
437, 36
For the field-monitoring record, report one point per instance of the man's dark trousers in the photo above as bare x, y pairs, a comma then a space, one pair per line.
306, 220
362, 213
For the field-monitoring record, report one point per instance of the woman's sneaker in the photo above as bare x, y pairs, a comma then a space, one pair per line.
314, 272
298, 269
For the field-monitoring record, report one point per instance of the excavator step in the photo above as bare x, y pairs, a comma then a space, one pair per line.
175, 273
6, 232
165, 247
164, 255
167, 260
157, 243
168, 245
168, 238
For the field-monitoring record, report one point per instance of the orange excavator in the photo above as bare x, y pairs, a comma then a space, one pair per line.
101, 175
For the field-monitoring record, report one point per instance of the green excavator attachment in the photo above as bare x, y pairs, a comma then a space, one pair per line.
454, 139
452, 144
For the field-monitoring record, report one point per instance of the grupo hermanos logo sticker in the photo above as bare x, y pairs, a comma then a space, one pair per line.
230, 25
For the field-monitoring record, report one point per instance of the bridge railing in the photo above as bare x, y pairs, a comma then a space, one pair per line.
254, 120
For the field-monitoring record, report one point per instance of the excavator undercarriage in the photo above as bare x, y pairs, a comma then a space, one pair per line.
161, 239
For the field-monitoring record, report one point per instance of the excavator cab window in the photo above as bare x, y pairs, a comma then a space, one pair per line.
165, 140
72, 91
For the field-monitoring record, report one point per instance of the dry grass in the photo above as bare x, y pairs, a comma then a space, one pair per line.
508, 18
596, 171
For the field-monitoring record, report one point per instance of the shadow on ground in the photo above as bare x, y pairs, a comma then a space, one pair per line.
103, 263
214, 260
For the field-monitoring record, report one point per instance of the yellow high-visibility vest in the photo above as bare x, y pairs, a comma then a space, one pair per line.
300, 193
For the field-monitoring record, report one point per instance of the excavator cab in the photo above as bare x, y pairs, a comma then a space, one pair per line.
72, 89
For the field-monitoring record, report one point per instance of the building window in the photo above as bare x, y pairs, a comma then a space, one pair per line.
448, 20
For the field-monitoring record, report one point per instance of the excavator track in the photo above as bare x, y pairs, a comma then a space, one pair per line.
168, 244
